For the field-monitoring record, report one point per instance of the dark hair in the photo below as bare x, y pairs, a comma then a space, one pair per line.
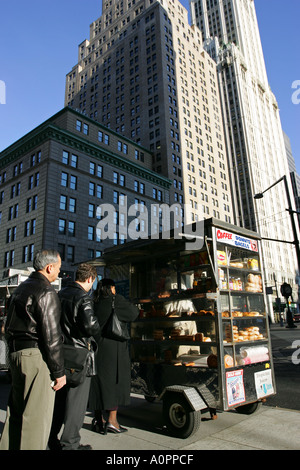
44, 257
103, 289
84, 271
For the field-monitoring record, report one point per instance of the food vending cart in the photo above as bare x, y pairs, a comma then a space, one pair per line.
201, 341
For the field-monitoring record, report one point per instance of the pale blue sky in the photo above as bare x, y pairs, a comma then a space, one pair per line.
38, 47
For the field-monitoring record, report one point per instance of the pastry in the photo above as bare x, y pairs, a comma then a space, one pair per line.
212, 361
228, 361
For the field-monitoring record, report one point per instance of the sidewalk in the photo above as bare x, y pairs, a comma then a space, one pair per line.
267, 429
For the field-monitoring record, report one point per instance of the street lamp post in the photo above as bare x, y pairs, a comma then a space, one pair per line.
290, 211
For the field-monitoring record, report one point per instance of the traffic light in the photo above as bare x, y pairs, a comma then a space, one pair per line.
286, 290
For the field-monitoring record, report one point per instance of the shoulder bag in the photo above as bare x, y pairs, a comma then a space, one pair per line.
115, 328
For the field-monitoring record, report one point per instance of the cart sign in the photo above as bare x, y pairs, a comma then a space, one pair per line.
235, 387
263, 383
236, 240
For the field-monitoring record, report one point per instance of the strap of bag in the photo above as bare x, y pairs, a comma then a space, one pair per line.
113, 304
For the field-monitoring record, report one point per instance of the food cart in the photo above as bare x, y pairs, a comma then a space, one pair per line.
201, 341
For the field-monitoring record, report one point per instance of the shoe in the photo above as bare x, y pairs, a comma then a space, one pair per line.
111, 428
97, 426
54, 444
84, 447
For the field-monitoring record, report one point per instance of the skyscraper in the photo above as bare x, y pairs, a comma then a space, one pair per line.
144, 74
254, 138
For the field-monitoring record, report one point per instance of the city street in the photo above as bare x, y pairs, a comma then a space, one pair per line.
275, 426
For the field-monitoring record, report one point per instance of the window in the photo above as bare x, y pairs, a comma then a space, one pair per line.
70, 253
92, 168
74, 161
91, 189
78, 125
139, 187
28, 253
29, 228
103, 137
65, 157
99, 171
73, 182
91, 212
11, 234
72, 204
62, 226
63, 202
99, 193
9, 258
86, 129
122, 147
64, 179
71, 228
90, 232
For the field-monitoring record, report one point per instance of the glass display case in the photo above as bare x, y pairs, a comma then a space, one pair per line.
203, 325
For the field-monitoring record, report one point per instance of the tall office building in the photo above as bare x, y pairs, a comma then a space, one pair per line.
144, 73
253, 132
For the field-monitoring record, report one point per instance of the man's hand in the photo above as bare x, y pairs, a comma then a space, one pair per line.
59, 383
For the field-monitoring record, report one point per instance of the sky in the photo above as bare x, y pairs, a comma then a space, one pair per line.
39, 45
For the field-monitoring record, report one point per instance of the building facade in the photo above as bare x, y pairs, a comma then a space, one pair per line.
56, 184
254, 138
144, 73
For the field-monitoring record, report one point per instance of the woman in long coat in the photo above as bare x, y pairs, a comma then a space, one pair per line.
110, 388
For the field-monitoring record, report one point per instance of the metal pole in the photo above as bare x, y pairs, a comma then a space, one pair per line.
291, 212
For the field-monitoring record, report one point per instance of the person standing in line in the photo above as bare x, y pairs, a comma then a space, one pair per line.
79, 325
34, 340
110, 388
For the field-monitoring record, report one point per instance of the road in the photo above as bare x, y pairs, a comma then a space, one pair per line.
286, 357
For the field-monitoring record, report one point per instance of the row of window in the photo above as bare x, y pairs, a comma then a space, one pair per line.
15, 189
70, 181
67, 253
102, 137
27, 255
17, 169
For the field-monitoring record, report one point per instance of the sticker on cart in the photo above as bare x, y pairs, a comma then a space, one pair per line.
263, 383
235, 387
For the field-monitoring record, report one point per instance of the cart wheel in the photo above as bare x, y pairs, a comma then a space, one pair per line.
249, 408
149, 399
179, 418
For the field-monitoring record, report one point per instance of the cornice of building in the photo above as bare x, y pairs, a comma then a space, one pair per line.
50, 131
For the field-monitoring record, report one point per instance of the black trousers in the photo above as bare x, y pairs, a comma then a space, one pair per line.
69, 411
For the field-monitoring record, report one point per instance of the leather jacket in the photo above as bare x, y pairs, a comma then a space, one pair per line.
78, 322
33, 320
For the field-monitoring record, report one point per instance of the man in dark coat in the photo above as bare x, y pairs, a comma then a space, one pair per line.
79, 326
111, 386
36, 356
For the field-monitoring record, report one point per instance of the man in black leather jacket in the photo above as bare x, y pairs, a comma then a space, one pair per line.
78, 324
34, 339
